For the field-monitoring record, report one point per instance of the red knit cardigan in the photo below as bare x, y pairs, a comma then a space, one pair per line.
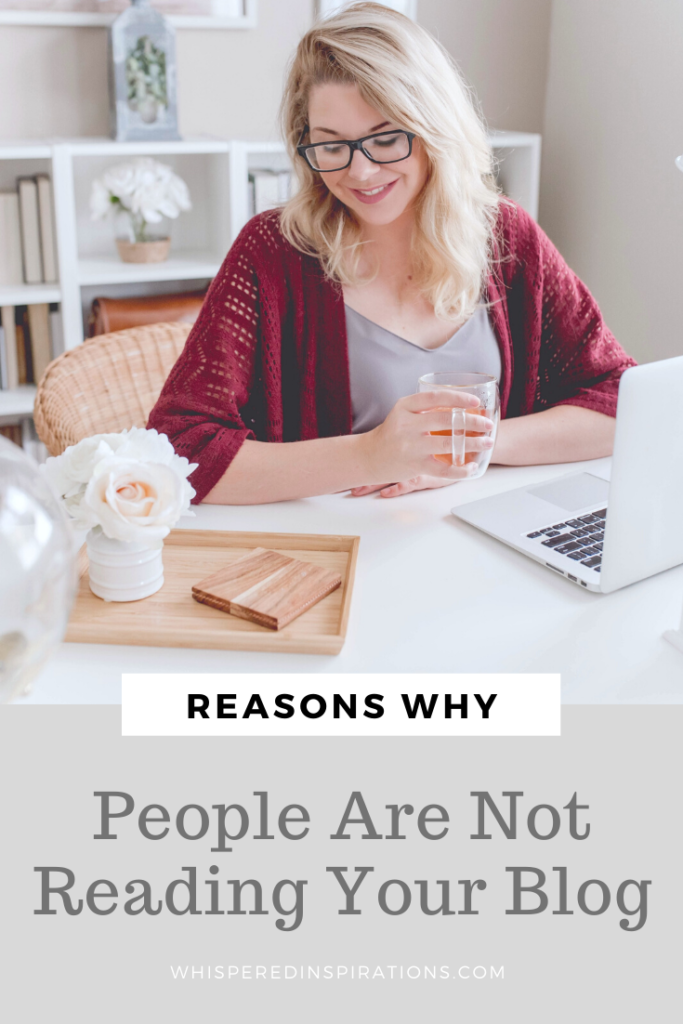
267, 357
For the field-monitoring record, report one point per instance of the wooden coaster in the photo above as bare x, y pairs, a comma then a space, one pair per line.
266, 587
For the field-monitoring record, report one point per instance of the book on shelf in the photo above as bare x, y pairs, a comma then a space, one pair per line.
12, 431
3, 362
11, 271
56, 330
30, 230
268, 189
10, 334
37, 234
38, 318
30, 335
24, 435
23, 348
48, 250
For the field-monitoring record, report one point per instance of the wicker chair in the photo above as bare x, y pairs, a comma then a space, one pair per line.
107, 384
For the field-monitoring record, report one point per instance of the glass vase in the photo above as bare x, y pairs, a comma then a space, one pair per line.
37, 571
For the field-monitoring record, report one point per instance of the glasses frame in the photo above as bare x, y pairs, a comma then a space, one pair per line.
353, 145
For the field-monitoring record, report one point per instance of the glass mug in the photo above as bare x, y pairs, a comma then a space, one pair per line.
486, 390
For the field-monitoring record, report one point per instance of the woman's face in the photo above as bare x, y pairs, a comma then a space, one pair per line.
377, 193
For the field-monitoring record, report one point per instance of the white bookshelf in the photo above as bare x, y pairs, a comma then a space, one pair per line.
17, 403
87, 258
519, 166
217, 172
17, 159
238, 14
28, 294
244, 157
87, 252
180, 266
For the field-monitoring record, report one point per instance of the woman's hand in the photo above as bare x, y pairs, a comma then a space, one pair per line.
418, 483
418, 428
400, 449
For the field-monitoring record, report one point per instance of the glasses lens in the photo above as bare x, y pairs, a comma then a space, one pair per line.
385, 149
330, 157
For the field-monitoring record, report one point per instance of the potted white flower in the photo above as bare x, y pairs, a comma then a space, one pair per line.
127, 490
140, 192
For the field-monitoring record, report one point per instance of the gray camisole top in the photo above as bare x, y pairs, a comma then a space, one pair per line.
384, 367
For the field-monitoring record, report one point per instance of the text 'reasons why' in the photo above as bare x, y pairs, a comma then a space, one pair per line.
339, 704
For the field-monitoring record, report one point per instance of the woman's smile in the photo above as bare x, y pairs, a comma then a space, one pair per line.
374, 194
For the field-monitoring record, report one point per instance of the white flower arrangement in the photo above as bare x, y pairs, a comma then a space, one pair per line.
144, 189
131, 485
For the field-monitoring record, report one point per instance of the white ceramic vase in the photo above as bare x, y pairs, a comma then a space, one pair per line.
123, 572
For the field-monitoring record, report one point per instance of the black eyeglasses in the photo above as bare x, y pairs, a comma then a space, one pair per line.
382, 148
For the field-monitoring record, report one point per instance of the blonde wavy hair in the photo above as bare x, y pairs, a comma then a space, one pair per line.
406, 75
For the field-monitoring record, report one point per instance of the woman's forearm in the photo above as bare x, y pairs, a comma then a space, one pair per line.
263, 472
403, 446
566, 433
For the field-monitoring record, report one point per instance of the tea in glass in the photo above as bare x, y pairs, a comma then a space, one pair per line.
485, 388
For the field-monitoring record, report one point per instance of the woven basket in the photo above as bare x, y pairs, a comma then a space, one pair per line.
154, 251
109, 383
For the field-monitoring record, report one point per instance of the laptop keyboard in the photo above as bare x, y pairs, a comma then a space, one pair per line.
579, 539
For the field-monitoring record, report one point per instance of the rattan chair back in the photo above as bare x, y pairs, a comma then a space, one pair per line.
107, 384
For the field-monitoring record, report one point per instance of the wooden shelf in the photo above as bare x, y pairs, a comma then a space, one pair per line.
181, 266
29, 294
18, 401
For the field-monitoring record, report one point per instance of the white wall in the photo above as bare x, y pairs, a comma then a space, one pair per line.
501, 47
611, 197
53, 81
229, 81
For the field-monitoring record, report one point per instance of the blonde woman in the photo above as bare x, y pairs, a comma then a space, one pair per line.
396, 257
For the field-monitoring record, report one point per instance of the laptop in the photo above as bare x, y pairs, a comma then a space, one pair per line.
599, 534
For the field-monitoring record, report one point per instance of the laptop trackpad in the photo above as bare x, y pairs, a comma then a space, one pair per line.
573, 492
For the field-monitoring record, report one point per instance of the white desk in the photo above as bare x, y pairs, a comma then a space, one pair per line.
434, 595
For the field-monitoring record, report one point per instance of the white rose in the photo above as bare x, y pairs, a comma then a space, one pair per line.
70, 471
55, 472
150, 446
147, 199
158, 192
144, 187
179, 193
82, 516
136, 502
120, 180
100, 201
145, 445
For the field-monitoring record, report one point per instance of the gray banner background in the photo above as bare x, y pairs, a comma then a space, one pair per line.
625, 762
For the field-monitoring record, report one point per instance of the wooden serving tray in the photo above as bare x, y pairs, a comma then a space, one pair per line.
171, 618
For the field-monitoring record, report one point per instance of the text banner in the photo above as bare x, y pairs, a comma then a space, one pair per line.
338, 704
